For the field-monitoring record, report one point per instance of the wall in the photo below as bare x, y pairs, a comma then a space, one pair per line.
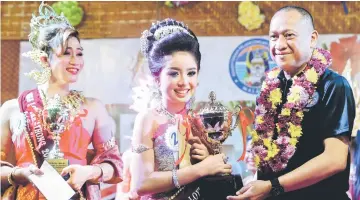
129, 19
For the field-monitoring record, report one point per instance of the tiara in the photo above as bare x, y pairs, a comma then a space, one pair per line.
160, 33
47, 16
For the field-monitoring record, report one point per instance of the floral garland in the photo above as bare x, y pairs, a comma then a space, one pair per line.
271, 153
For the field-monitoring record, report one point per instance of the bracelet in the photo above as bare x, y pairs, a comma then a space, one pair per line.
11, 177
100, 179
175, 179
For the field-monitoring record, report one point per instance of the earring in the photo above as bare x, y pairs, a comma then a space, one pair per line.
157, 91
155, 95
190, 103
36, 55
40, 76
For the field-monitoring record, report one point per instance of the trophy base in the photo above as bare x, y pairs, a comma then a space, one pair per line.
220, 186
58, 164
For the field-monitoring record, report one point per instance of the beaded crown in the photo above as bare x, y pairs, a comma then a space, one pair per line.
47, 16
171, 26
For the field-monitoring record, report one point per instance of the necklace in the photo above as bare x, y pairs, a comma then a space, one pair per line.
163, 111
73, 101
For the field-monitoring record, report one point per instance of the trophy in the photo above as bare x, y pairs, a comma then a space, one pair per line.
56, 117
213, 124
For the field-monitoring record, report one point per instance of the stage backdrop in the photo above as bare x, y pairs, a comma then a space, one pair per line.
233, 67
109, 67
113, 66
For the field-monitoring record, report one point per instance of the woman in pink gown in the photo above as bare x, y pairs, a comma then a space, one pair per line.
167, 161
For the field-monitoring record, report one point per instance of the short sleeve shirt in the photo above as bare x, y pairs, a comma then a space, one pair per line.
330, 113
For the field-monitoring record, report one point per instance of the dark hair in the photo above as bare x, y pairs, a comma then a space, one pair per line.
357, 166
304, 13
156, 50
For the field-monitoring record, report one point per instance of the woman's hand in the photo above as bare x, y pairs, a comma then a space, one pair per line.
215, 164
198, 150
79, 175
21, 175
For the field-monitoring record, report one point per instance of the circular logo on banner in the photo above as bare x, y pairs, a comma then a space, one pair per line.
249, 63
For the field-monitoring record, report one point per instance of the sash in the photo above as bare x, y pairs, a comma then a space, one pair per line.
184, 151
189, 192
31, 105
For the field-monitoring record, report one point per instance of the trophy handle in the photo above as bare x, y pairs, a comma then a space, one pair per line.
236, 113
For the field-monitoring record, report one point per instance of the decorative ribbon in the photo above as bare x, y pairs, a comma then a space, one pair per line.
187, 126
244, 123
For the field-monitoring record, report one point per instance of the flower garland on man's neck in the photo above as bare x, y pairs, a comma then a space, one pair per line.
274, 153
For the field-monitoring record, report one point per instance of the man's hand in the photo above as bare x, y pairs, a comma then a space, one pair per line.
256, 190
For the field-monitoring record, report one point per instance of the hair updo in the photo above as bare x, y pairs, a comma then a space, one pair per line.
54, 36
165, 38
50, 31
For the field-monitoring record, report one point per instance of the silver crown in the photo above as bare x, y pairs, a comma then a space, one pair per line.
144, 42
168, 30
165, 30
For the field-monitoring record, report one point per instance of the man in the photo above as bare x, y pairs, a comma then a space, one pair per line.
302, 146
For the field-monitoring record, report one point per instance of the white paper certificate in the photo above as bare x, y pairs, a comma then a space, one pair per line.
51, 184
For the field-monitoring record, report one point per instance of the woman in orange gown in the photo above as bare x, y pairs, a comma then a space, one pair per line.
29, 123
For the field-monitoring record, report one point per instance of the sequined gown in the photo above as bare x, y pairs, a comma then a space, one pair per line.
163, 157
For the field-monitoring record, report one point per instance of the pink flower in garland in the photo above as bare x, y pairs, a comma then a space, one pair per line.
281, 140
277, 164
260, 110
288, 152
260, 151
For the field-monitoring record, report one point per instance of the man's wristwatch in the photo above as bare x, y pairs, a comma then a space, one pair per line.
276, 188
